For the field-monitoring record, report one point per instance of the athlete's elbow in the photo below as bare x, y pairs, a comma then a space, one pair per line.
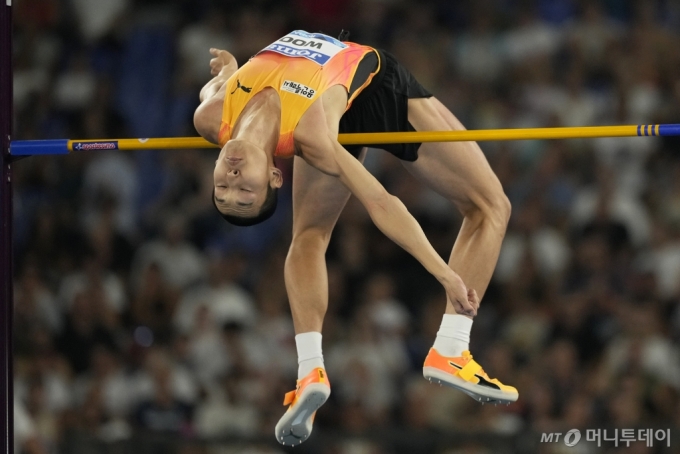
207, 119
200, 120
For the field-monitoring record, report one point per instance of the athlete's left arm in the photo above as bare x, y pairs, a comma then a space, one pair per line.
222, 66
209, 113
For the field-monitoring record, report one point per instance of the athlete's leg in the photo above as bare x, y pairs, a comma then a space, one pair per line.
318, 200
460, 172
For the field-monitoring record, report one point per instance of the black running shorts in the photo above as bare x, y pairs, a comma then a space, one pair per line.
383, 105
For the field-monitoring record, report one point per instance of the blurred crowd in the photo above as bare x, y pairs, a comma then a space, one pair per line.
138, 310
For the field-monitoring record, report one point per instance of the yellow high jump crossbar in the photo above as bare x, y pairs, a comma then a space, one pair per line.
65, 146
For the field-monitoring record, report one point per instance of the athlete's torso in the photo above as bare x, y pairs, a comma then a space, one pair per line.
300, 66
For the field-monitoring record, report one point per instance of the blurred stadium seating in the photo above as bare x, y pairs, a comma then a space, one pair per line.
144, 323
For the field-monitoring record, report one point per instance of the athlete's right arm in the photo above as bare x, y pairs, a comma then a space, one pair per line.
208, 115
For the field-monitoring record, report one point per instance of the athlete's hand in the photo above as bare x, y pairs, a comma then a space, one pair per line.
221, 59
473, 299
458, 294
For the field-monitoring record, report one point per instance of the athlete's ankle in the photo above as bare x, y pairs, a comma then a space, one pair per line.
309, 351
453, 337
306, 366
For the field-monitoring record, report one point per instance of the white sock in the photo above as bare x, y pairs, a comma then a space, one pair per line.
453, 336
309, 352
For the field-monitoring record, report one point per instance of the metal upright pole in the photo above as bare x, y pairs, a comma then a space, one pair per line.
6, 292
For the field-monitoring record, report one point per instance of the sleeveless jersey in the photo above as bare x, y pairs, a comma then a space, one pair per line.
300, 66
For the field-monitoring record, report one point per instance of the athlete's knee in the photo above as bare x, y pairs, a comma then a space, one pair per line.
492, 207
310, 240
502, 208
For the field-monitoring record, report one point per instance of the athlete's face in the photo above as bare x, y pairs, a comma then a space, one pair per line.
242, 175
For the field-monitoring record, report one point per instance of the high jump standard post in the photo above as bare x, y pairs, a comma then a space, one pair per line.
6, 292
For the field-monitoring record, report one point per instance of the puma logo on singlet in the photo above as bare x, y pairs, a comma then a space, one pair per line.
242, 87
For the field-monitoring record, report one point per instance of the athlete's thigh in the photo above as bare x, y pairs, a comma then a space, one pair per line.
458, 171
318, 199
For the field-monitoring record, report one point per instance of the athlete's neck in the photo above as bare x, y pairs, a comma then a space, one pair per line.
260, 121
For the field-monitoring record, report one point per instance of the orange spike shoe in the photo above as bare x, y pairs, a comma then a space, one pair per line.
465, 374
311, 392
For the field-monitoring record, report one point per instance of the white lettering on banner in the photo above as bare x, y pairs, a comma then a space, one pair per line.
298, 89
316, 47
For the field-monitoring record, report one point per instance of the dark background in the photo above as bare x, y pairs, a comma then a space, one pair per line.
144, 323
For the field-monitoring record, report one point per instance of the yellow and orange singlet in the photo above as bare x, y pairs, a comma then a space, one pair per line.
300, 66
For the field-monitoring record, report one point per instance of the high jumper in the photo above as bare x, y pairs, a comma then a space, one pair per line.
290, 101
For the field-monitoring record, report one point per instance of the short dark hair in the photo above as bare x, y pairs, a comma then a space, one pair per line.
268, 208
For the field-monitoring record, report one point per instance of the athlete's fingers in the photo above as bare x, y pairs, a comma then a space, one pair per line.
215, 66
462, 310
473, 298
460, 303
214, 51
463, 306
457, 293
467, 307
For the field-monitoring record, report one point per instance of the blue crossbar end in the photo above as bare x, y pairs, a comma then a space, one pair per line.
38, 147
669, 130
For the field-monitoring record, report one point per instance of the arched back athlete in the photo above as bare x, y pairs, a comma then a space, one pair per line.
291, 100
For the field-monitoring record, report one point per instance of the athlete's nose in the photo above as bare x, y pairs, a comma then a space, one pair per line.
234, 172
